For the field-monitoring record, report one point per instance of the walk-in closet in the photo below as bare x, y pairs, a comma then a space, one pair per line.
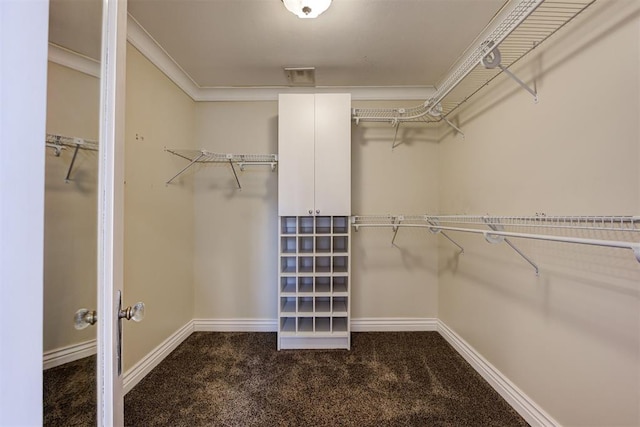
320, 212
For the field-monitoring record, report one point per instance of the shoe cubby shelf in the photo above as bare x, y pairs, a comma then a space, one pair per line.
314, 289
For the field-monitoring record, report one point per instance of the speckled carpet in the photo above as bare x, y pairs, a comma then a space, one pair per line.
387, 379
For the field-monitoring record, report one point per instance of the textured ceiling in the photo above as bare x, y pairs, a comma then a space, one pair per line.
247, 43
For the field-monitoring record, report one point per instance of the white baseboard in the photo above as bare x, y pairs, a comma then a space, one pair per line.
136, 373
235, 325
60, 356
522, 403
393, 324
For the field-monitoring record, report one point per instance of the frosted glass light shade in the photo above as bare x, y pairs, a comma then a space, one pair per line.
307, 8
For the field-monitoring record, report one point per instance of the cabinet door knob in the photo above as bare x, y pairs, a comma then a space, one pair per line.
317, 211
310, 212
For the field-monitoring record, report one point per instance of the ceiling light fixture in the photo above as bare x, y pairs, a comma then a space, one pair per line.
307, 8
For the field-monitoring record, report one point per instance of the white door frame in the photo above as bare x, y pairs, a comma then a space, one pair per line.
23, 95
111, 209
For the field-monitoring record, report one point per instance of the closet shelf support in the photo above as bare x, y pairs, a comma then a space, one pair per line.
436, 230
456, 128
495, 226
494, 59
193, 162
60, 142
233, 169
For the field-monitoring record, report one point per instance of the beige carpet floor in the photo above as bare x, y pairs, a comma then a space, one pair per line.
240, 379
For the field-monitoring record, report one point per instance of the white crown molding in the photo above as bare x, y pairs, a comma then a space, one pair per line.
62, 355
151, 49
393, 324
74, 60
141, 369
523, 404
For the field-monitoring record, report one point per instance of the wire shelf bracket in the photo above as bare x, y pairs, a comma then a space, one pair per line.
233, 160
494, 59
59, 143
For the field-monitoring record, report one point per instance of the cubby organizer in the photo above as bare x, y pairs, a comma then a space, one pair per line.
314, 288
241, 160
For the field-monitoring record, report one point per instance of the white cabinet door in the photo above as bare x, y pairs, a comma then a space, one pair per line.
296, 128
333, 154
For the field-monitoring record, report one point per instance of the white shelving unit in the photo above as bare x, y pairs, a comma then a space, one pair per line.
314, 282
314, 205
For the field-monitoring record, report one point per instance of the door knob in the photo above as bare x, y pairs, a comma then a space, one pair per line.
135, 313
84, 318
310, 212
317, 211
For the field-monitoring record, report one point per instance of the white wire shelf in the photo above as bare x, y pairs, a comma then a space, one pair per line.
513, 36
540, 227
240, 160
60, 142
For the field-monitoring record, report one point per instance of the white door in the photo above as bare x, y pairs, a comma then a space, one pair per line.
23, 77
295, 154
23, 92
333, 154
111, 212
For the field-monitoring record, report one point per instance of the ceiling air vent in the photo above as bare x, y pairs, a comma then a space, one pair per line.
301, 76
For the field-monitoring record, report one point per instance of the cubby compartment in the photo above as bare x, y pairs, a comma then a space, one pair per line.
305, 264
305, 304
288, 264
340, 264
323, 244
323, 324
305, 244
339, 324
288, 285
305, 285
323, 305
305, 324
323, 264
340, 244
287, 305
340, 305
323, 284
340, 224
288, 225
288, 245
340, 284
305, 225
288, 324
323, 225
314, 282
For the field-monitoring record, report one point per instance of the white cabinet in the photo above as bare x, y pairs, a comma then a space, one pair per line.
314, 154
314, 204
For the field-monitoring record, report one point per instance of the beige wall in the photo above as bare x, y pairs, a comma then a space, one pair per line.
569, 338
70, 208
236, 230
394, 281
159, 241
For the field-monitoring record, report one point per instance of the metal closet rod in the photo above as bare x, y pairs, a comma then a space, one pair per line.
497, 234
